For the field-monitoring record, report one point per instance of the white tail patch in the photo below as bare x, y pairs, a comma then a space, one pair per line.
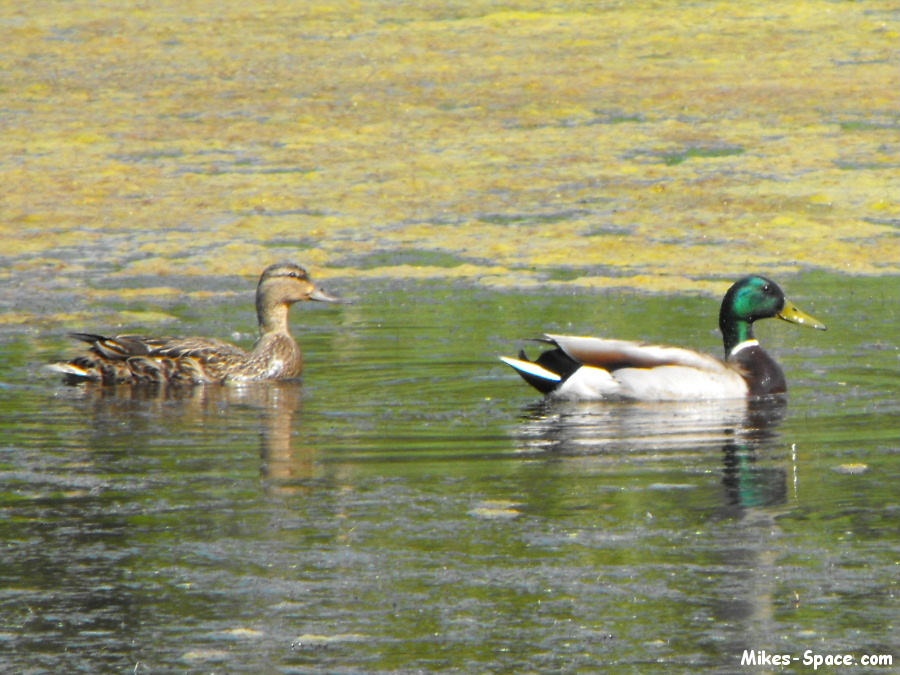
67, 369
531, 368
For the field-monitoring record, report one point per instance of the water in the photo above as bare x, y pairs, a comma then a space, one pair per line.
412, 507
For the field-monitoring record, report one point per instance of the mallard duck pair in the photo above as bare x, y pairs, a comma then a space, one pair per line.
586, 368
193, 360
577, 368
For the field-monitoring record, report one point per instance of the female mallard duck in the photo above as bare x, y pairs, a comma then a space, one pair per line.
599, 369
138, 359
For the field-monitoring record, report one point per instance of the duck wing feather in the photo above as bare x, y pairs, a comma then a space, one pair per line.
614, 355
141, 358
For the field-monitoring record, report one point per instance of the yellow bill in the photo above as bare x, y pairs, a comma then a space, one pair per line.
791, 313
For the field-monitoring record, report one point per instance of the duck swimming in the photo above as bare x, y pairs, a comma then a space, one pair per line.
594, 369
135, 359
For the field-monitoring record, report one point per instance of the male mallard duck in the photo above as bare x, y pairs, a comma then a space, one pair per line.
599, 369
139, 359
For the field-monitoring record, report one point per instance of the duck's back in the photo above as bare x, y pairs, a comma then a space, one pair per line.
141, 359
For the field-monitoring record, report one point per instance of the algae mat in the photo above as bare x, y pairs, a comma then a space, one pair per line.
659, 145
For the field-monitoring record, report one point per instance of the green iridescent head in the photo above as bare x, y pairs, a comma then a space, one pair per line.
753, 298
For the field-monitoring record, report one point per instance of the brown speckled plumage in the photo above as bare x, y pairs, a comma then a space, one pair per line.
135, 359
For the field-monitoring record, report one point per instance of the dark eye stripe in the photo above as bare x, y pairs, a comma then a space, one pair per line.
288, 272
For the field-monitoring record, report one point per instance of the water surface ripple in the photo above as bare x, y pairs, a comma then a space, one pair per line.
411, 507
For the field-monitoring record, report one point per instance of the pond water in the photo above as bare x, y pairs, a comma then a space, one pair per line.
412, 506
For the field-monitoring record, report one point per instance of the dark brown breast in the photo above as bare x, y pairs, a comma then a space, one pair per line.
762, 373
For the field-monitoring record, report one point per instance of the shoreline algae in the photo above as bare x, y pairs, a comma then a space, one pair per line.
703, 141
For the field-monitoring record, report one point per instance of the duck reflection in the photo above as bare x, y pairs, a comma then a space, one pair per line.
632, 432
740, 588
748, 485
278, 404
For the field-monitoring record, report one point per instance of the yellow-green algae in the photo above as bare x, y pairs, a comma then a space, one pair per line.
672, 145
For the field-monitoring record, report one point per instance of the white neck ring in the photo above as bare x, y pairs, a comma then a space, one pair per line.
743, 345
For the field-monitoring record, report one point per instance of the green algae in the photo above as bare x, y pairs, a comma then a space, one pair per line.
671, 159
419, 258
710, 138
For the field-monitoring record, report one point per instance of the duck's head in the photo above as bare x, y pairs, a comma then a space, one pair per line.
287, 283
280, 286
753, 298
